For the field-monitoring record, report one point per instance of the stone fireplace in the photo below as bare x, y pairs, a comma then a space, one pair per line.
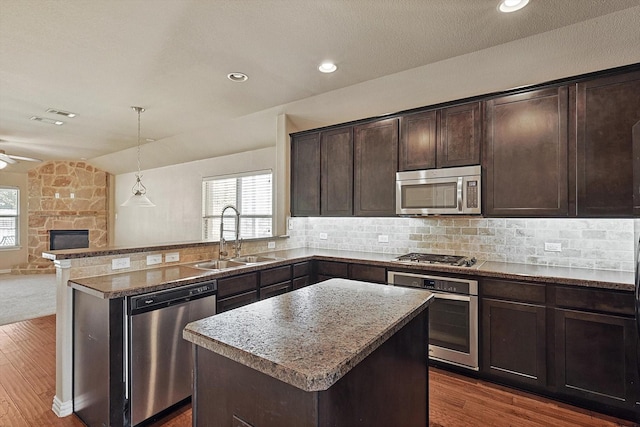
64, 196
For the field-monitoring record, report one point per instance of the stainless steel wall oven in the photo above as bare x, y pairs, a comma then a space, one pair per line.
453, 316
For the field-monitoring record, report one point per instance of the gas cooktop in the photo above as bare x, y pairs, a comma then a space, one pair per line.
458, 260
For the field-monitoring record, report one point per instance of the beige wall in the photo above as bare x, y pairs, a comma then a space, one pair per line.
177, 193
11, 257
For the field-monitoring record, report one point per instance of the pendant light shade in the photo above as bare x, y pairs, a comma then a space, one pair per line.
138, 198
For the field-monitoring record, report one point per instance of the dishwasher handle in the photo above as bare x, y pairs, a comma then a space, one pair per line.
156, 300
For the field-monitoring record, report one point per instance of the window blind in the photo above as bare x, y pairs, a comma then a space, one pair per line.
250, 193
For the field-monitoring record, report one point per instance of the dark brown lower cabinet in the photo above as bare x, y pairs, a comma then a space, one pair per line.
389, 387
367, 273
595, 357
229, 303
273, 290
514, 341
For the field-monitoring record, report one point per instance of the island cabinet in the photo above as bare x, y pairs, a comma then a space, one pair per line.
514, 332
375, 167
236, 291
441, 138
290, 361
305, 175
525, 154
595, 346
607, 109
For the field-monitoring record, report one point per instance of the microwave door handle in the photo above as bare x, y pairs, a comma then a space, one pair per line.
459, 194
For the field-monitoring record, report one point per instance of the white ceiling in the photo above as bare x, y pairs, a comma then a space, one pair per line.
99, 57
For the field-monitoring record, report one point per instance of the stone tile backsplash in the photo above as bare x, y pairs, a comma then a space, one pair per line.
606, 244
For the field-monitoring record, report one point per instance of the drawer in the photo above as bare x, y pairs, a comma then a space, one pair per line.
331, 269
226, 304
236, 284
301, 269
275, 275
300, 282
513, 291
273, 290
367, 273
615, 302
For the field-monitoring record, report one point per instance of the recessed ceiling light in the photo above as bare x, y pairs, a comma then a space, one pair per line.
327, 67
62, 113
507, 6
237, 77
49, 121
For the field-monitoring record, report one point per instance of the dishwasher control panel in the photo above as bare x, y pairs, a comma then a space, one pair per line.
171, 296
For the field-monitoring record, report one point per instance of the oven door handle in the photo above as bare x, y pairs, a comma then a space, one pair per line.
459, 194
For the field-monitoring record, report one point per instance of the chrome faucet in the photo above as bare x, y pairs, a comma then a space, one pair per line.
238, 243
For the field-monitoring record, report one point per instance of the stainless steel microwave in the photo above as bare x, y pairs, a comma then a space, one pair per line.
450, 191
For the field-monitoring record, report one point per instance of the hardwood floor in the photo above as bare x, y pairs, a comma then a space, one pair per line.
27, 387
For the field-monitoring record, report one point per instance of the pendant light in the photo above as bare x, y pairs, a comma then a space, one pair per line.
138, 198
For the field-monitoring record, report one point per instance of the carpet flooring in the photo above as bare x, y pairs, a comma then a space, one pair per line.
26, 296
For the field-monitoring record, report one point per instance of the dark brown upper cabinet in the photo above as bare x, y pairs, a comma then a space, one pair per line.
336, 148
460, 135
607, 109
418, 141
441, 138
305, 175
525, 154
375, 167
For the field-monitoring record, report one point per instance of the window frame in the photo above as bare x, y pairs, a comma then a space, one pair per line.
238, 204
16, 217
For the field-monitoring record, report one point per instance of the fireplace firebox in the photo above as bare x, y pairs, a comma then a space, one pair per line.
68, 239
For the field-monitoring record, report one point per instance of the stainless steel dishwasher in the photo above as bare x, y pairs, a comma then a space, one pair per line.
160, 362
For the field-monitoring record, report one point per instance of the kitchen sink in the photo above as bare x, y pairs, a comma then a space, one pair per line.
219, 264
252, 259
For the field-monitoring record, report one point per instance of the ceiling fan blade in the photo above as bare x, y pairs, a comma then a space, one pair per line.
26, 159
7, 159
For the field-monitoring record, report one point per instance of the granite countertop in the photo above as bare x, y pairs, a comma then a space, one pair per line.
311, 337
142, 281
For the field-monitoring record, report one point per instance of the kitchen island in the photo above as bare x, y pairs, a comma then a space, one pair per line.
340, 352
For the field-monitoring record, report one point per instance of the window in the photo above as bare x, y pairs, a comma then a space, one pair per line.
9, 219
250, 193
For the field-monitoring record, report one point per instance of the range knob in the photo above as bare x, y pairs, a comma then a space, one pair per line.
470, 262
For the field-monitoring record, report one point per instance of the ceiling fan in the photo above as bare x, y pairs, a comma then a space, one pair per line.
10, 159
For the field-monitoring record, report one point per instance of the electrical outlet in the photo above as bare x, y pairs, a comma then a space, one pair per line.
323, 236
552, 247
57, 195
271, 245
290, 223
172, 257
72, 195
154, 259
383, 238
118, 263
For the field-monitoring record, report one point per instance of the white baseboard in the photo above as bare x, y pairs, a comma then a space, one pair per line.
62, 409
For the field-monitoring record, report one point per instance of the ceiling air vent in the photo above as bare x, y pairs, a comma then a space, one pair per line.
49, 121
61, 113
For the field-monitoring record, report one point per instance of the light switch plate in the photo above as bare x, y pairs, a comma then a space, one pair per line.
323, 236
172, 257
383, 238
118, 263
290, 223
154, 259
